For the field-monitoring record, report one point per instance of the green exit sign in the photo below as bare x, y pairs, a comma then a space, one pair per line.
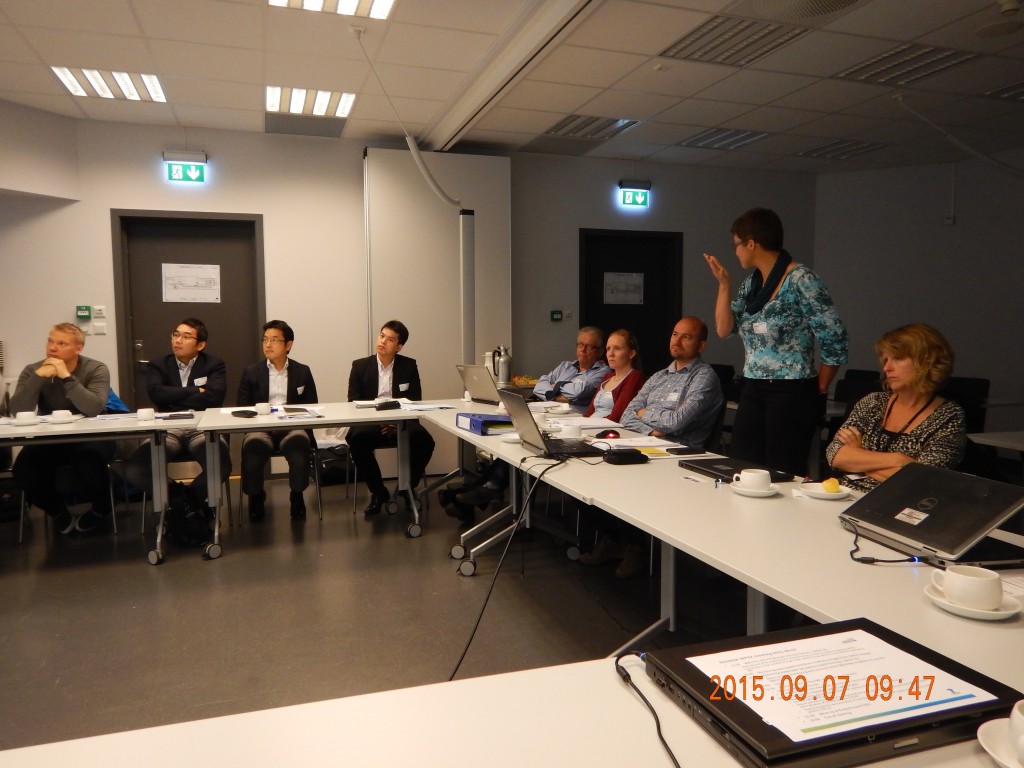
191, 172
637, 198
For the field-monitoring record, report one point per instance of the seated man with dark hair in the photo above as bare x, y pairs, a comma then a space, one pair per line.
65, 380
187, 379
280, 381
386, 374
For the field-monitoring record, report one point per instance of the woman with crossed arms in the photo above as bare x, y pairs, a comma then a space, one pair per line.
909, 421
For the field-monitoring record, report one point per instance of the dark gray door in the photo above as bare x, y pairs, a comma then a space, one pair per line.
633, 280
146, 314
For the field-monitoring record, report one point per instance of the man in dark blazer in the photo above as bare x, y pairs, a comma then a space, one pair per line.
278, 381
386, 374
187, 379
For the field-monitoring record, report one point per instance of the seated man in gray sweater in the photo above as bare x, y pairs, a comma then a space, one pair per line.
65, 380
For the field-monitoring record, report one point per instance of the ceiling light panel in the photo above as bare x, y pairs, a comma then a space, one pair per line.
125, 86
841, 150
587, 127
307, 101
1013, 92
370, 9
905, 64
723, 138
734, 41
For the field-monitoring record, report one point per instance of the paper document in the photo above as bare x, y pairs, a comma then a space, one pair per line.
407, 406
826, 685
583, 422
373, 403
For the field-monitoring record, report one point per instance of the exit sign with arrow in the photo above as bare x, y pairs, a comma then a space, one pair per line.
188, 172
638, 198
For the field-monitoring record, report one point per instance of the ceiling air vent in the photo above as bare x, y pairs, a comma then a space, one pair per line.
728, 40
841, 150
585, 127
303, 125
905, 64
1013, 92
723, 138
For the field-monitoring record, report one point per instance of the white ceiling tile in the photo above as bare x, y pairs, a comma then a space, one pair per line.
519, 120
752, 87
689, 155
415, 82
434, 48
376, 130
888, 106
703, 112
325, 34
830, 95
740, 158
977, 76
465, 15
553, 97
625, 149
973, 110
411, 111
58, 104
31, 78
787, 144
630, 27
202, 21
13, 46
89, 49
659, 133
195, 116
122, 111
673, 77
207, 61
821, 54
630, 105
903, 19
213, 93
837, 126
585, 66
299, 71
772, 119
108, 16
963, 33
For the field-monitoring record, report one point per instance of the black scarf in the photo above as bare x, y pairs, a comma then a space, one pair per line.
759, 294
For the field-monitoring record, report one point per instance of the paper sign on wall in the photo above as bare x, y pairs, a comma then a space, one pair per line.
623, 287
192, 283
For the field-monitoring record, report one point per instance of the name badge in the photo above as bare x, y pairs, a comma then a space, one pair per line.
301, 389
403, 387
761, 328
201, 381
672, 396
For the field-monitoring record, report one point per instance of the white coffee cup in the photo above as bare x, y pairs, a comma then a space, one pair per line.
146, 414
754, 479
970, 586
24, 416
571, 431
60, 416
1016, 726
262, 408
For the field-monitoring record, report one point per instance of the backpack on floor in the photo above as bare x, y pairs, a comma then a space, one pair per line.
188, 522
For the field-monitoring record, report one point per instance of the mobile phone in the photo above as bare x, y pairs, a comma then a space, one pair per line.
244, 414
682, 450
179, 416
294, 409
388, 405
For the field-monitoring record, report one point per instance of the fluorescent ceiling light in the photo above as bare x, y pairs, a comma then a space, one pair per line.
69, 81
323, 98
279, 3
98, 83
312, 5
345, 104
156, 91
273, 98
124, 82
348, 7
381, 8
298, 101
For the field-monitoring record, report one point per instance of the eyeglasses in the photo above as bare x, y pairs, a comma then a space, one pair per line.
591, 347
184, 336
269, 340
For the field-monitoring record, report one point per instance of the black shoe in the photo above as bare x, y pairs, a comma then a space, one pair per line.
377, 501
64, 523
89, 522
257, 508
461, 512
298, 505
480, 497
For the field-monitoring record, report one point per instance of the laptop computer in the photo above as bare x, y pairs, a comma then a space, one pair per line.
532, 436
939, 515
723, 468
479, 382
839, 719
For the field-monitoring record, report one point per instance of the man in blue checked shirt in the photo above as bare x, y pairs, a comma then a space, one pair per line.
681, 402
576, 381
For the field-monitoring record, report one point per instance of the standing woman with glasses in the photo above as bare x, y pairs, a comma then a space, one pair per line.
781, 310
909, 421
279, 381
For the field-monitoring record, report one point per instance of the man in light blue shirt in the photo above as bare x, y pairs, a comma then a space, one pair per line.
576, 381
681, 402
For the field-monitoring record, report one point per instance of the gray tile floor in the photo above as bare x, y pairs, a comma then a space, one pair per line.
95, 640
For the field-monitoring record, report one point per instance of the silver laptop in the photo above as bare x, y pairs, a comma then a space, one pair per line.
479, 382
532, 436
941, 516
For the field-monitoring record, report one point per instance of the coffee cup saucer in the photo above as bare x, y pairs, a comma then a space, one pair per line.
771, 490
23, 423
994, 737
1009, 607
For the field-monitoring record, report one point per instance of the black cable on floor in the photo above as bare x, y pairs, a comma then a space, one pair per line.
624, 674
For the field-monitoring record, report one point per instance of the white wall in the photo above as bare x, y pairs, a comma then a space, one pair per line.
554, 197
38, 152
890, 260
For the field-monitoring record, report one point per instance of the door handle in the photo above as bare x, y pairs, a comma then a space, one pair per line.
138, 346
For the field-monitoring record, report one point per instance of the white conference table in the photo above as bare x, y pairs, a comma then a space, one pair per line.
1013, 441
573, 714
109, 427
220, 421
791, 549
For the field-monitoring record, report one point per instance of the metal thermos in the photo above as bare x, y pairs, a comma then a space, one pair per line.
503, 366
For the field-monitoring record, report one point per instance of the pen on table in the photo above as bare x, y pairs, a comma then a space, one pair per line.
691, 479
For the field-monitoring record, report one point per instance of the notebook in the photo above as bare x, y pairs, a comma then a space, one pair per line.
939, 515
479, 383
723, 468
849, 708
532, 437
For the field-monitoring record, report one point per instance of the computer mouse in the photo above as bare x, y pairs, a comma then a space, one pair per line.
607, 434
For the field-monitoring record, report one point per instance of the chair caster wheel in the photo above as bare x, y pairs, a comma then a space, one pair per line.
573, 552
212, 551
467, 567
414, 531
458, 552
155, 557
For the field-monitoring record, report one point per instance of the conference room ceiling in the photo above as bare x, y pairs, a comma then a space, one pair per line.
796, 85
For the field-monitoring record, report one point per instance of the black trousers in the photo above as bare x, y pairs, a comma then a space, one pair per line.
38, 468
364, 439
775, 423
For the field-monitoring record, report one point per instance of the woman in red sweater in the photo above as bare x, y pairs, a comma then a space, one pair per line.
624, 380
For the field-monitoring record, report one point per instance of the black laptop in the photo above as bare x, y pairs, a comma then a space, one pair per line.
532, 436
846, 717
723, 468
941, 516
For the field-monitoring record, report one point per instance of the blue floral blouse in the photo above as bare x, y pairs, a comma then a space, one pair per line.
779, 340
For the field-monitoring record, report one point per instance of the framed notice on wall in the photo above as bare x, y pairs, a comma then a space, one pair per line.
191, 283
623, 287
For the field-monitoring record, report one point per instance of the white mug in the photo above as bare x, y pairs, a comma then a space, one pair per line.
971, 587
571, 431
1016, 726
262, 408
146, 414
61, 415
24, 416
754, 479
